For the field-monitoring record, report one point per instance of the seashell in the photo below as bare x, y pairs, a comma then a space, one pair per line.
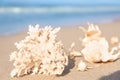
98, 51
82, 66
96, 48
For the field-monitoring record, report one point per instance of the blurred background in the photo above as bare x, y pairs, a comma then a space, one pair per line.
16, 15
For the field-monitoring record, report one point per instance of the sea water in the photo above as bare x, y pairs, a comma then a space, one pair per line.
14, 19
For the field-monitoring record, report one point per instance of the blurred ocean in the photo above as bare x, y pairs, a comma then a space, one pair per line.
16, 19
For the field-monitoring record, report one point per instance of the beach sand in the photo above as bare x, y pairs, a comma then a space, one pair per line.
106, 71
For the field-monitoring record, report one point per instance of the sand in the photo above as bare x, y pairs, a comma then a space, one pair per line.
106, 71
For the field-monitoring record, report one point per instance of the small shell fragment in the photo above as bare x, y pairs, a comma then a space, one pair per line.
82, 66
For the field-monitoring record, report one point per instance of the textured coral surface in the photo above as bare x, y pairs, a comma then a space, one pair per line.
39, 53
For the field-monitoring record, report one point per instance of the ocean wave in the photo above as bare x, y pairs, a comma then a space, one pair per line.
18, 10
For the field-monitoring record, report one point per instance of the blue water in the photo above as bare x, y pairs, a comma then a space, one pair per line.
16, 19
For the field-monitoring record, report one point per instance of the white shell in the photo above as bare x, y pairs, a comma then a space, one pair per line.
96, 48
82, 66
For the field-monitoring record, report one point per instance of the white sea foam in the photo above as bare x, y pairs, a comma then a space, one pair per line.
60, 9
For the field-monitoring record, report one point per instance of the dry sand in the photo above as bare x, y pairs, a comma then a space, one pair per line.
107, 71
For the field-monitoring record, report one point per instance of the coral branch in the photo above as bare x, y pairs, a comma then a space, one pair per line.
39, 53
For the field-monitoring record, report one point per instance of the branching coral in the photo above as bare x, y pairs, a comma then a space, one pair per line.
39, 53
96, 48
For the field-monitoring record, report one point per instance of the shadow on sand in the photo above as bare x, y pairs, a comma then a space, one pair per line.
70, 65
113, 76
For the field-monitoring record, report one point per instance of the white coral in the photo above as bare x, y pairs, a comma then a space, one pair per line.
96, 48
39, 53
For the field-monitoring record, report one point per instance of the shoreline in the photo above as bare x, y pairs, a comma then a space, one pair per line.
67, 35
62, 27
